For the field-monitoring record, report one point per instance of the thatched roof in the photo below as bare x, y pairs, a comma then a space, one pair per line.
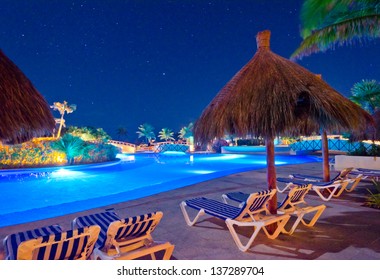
272, 96
24, 113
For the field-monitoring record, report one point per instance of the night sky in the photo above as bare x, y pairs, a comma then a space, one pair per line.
125, 63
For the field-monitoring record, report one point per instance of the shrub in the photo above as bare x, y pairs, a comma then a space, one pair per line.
373, 199
360, 151
39, 153
72, 146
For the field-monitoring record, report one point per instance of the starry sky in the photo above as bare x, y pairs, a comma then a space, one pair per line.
129, 62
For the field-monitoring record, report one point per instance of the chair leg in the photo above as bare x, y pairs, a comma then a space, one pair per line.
168, 252
319, 210
257, 226
281, 221
190, 222
319, 190
356, 181
301, 212
294, 226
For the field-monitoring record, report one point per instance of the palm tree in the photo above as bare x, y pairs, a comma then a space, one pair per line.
166, 134
63, 108
326, 23
121, 132
186, 132
367, 94
146, 130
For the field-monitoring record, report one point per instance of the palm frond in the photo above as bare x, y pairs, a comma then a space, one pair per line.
315, 12
341, 33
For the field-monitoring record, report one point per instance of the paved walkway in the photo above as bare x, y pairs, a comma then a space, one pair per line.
346, 230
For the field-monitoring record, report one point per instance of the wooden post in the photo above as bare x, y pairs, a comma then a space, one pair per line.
271, 173
325, 155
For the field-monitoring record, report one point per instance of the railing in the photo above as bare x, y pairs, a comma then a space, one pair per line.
170, 146
122, 143
334, 145
125, 147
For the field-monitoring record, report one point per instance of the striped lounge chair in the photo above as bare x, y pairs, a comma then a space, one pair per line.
341, 175
126, 239
293, 204
51, 243
347, 177
254, 214
372, 174
325, 190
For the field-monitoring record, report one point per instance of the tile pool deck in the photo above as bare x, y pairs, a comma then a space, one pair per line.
346, 230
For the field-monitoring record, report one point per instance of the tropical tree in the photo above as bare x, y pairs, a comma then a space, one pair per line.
166, 134
89, 133
186, 132
327, 23
146, 130
72, 146
63, 108
121, 132
366, 93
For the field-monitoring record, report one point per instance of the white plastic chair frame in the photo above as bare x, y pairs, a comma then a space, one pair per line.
247, 218
292, 206
124, 241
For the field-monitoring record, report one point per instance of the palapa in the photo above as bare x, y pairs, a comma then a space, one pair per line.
24, 113
272, 96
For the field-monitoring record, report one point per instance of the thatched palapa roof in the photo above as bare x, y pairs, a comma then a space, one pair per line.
272, 96
24, 113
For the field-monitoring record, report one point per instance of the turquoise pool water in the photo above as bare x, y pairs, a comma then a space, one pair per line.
30, 195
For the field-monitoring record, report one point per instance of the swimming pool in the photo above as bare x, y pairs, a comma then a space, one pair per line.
30, 195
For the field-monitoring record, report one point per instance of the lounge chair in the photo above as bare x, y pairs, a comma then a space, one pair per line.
373, 174
325, 190
254, 214
343, 175
375, 171
293, 204
51, 243
126, 239
339, 176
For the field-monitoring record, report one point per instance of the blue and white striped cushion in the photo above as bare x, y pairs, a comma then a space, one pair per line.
67, 250
214, 208
103, 219
260, 201
237, 196
294, 181
136, 226
12, 241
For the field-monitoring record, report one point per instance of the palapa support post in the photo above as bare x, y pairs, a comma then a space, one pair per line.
271, 173
325, 151
271, 180
325, 155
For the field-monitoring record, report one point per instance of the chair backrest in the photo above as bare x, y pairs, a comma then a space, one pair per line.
343, 174
132, 230
295, 196
256, 203
75, 244
12, 241
102, 219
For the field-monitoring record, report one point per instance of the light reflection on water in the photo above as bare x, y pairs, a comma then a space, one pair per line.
28, 196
